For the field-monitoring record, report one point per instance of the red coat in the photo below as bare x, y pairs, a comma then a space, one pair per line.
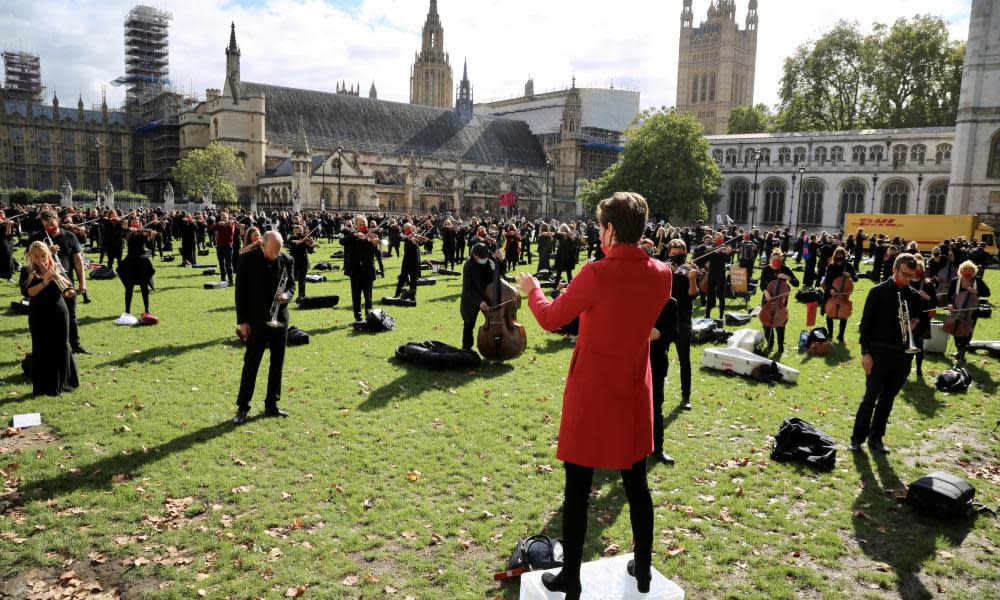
607, 417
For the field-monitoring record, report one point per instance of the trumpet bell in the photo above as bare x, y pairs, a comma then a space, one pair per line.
274, 323
912, 350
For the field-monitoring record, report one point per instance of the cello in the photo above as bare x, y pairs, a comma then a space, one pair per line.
502, 337
961, 321
774, 313
839, 305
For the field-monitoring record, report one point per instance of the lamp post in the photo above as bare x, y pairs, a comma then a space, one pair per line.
920, 180
757, 156
791, 208
340, 168
874, 183
548, 179
322, 194
97, 150
802, 179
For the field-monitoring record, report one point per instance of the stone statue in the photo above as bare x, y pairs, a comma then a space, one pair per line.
109, 195
168, 197
66, 199
206, 196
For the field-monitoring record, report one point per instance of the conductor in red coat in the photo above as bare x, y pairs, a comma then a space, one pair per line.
607, 416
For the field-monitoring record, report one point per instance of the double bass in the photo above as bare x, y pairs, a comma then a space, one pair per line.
775, 312
502, 337
961, 321
839, 305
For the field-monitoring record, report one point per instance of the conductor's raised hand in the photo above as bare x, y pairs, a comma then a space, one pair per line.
527, 282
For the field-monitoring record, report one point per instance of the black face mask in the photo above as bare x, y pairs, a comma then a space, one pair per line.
839, 261
678, 259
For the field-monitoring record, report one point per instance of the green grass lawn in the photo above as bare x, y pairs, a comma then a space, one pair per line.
391, 482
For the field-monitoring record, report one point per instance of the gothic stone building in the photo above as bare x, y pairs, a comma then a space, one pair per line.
717, 61
312, 149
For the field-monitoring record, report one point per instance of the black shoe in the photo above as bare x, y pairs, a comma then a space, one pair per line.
663, 457
854, 446
643, 576
840, 339
770, 348
275, 412
81, 350
556, 583
878, 447
86, 299
686, 403
240, 418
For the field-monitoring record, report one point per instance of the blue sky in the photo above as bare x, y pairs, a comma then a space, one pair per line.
317, 43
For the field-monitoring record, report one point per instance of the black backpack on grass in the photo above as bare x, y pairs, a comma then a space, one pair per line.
940, 494
802, 442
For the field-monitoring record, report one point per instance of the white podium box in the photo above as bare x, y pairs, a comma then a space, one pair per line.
938, 342
605, 579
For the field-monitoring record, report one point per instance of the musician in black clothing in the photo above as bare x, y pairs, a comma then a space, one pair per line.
189, 237
360, 248
715, 262
299, 246
923, 301
837, 267
859, 246
775, 269
883, 352
65, 247
409, 270
112, 238
477, 274
747, 254
257, 288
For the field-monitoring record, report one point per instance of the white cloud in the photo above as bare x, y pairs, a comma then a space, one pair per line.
312, 44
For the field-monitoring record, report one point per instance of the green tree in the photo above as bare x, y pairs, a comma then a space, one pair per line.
750, 119
666, 160
216, 166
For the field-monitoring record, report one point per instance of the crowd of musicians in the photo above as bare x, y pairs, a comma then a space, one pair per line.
633, 298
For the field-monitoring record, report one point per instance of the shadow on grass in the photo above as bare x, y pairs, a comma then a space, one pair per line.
982, 379
554, 342
417, 380
163, 352
921, 396
896, 535
99, 474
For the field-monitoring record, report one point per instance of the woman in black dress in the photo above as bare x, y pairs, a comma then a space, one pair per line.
567, 253
838, 266
136, 269
53, 368
8, 235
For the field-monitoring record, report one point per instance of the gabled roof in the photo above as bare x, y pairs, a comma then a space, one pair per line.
333, 120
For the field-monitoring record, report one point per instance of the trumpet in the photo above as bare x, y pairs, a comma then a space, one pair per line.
65, 285
276, 305
904, 325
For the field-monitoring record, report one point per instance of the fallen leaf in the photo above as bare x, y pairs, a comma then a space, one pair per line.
350, 580
371, 578
414, 475
611, 550
673, 550
389, 589
295, 592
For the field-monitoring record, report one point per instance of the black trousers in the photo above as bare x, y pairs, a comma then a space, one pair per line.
769, 337
577, 495
262, 338
568, 272
716, 290
359, 286
889, 372
829, 327
225, 256
408, 277
130, 290
74, 327
468, 329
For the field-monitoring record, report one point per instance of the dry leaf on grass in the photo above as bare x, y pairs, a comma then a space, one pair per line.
295, 592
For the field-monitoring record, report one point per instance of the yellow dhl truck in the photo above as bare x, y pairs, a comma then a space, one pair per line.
928, 230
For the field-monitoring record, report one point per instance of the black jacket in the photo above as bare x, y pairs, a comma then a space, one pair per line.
257, 283
475, 279
359, 256
880, 326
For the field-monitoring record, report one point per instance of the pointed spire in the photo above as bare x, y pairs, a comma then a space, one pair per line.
434, 7
465, 69
301, 144
233, 48
373, 93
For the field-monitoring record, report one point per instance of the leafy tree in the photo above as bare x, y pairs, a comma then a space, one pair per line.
750, 119
666, 160
216, 166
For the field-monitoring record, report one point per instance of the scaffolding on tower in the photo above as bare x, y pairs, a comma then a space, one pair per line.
22, 74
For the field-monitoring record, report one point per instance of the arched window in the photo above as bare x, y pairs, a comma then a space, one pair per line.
784, 155
819, 154
352, 199
731, 156
774, 202
837, 154
284, 195
711, 87
428, 182
943, 153
717, 155
894, 198
898, 155
474, 186
811, 209
858, 154
799, 156
215, 128
765, 155
392, 204
275, 196
748, 156
852, 199
704, 87
918, 152
694, 88
379, 178
937, 195
875, 152
739, 194
993, 166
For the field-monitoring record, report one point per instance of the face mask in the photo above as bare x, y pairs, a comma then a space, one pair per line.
649, 251
52, 230
967, 274
678, 259
839, 261
775, 264
718, 242
482, 261
363, 229
900, 281
920, 274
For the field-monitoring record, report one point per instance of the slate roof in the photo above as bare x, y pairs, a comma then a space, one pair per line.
65, 112
394, 128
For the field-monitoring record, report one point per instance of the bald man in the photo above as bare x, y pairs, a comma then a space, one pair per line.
361, 250
257, 278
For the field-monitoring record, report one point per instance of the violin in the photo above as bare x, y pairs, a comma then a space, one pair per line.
502, 337
774, 313
962, 320
839, 305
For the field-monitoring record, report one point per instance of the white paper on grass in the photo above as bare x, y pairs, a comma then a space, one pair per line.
604, 579
27, 420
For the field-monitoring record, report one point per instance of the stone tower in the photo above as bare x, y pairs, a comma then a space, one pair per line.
716, 63
568, 155
431, 77
463, 105
975, 168
232, 85
301, 169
